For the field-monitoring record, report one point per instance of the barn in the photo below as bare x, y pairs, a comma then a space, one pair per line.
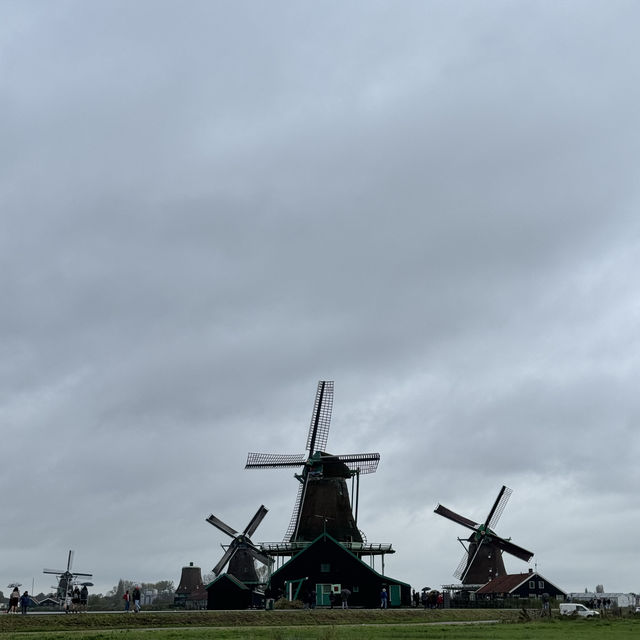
325, 565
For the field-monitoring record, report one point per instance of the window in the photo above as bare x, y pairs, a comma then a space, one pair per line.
325, 567
540, 584
532, 584
356, 588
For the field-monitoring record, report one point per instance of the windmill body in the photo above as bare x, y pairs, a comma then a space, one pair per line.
241, 554
482, 560
323, 503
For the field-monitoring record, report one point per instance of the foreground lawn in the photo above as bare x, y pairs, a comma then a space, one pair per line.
559, 629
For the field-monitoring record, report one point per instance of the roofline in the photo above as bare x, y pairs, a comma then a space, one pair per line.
328, 535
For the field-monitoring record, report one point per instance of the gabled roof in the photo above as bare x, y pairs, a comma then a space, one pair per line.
326, 536
233, 579
510, 582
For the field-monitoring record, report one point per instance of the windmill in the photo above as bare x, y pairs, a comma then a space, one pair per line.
322, 503
67, 578
482, 560
241, 553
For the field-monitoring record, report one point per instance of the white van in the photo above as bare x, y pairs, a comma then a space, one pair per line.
574, 608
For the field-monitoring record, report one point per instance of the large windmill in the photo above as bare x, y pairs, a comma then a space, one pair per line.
241, 552
67, 578
322, 503
482, 560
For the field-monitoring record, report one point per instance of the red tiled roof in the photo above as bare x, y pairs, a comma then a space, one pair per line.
506, 583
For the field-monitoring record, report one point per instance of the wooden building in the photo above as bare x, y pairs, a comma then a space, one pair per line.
227, 592
521, 585
326, 565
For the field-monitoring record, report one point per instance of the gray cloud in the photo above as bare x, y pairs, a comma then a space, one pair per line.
205, 211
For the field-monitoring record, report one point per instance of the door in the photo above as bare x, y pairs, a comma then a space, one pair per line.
395, 595
322, 595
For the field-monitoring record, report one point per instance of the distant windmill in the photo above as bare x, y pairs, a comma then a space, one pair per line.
67, 578
241, 552
482, 561
322, 503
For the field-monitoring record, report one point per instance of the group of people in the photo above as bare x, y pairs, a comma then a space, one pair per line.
428, 599
129, 597
76, 600
16, 599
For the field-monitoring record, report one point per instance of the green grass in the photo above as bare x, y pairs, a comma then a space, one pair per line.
315, 625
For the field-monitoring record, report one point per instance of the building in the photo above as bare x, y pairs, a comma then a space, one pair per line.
613, 599
326, 566
227, 592
520, 585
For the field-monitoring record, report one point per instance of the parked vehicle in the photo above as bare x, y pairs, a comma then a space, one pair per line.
575, 608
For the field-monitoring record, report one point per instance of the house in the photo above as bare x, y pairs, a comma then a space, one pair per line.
227, 592
520, 585
326, 566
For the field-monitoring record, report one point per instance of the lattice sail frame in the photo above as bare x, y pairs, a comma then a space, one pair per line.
320, 417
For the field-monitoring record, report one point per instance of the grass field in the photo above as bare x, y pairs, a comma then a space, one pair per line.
313, 625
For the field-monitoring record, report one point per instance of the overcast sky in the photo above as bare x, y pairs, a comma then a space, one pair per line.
207, 207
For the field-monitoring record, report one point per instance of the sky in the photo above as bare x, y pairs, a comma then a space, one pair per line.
208, 207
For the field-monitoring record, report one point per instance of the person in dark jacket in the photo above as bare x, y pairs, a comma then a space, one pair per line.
25, 601
136, 599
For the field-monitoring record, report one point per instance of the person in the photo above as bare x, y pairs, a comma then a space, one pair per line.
14, 598
24, 602
136, 599
127, 600
84, 597
384, 598
332, 599
344, 594
424, 598
67, 602
75, 599
416, 598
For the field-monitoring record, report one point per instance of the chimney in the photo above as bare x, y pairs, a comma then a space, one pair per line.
530, 570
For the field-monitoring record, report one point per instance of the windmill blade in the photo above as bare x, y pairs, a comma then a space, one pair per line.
513, 549
361, 462
462, 565
57, 572
216, 522
291, 529
228, 554
471, 560
255, 521
82, 575
498, 507
452, 515
259, 556
320, 417
273, 460
70, 560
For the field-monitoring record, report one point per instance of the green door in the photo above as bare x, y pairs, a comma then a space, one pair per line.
395, 595
322, 595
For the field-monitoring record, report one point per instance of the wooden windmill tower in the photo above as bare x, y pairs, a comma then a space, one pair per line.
482, 560
322, 503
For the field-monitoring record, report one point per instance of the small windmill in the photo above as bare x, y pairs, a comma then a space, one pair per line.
241, 552
67, 578
322, 503
482, 560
